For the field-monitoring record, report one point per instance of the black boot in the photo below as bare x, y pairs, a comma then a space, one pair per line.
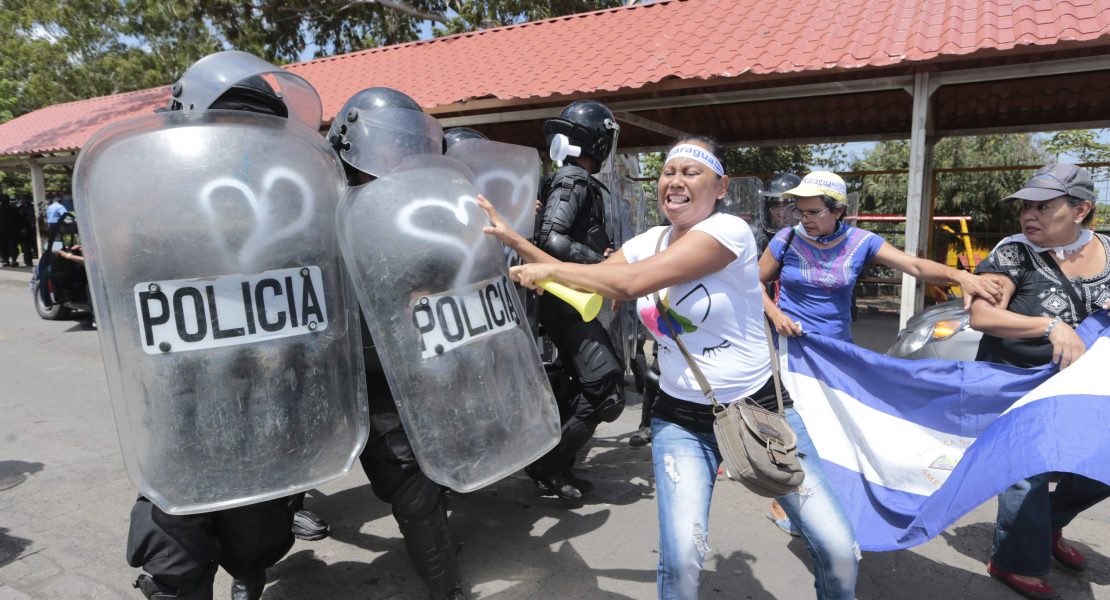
248, 587
552, 483
642, 437
145, 584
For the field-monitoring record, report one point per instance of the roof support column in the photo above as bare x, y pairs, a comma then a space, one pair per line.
38, 195
919, 202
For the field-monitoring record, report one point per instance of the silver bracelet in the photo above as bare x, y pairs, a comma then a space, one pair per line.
1054, 323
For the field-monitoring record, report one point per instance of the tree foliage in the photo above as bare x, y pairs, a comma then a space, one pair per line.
55, 51
1082, 144
975, 193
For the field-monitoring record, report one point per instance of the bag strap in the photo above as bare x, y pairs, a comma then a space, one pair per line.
782, 259
703, 383
774, 365
661, 306
1080, 307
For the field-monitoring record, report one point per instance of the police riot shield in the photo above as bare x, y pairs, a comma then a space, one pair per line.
507, 175
625, 198
449, 328
743, 199
851, 214
224, 310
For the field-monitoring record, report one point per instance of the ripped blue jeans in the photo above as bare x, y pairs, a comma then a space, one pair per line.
685, 464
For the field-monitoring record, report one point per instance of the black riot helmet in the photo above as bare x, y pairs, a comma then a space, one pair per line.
457, 134
587, 124
234, 80
774, 212
780, 183
252, 94
378, 127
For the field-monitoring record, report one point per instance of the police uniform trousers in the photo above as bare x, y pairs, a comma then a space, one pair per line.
182, 552
417, 503
587, 355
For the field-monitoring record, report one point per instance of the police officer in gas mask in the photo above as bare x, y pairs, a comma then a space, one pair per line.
373, 132
219, 300
572, 228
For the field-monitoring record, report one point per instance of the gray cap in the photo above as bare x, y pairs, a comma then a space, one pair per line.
1055, 180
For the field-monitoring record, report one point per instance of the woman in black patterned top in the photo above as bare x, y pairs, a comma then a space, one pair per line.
1054, 274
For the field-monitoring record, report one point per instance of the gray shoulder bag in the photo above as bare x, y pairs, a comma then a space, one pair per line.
759, 447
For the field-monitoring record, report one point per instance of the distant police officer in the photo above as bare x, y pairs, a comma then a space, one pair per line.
572, 228
370, 144
457, 134
219, 300
774, 213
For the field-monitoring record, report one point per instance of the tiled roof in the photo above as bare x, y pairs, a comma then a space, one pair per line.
66, 127
626, 49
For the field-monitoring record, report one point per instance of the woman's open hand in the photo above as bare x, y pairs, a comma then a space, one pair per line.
498, 227
987, 288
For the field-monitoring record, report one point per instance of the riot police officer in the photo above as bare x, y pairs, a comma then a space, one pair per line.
368, 151
774, 213
457, 134
207, 396
572, 228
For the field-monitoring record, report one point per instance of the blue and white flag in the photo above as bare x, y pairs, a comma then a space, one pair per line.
913, 445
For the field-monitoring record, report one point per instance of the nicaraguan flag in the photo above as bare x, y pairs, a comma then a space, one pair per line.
913, 445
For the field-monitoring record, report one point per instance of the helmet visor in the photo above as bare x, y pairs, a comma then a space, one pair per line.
378, 139
212, 76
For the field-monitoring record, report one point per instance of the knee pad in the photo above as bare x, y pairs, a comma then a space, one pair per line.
576, 433
416, 498
597, 367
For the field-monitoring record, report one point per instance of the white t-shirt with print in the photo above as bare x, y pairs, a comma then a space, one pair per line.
721, 316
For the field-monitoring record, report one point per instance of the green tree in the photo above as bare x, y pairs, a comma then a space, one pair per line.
55, 51
281, 31
956, 193
1080, 143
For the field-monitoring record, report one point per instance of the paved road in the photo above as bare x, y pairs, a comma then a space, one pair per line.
64, 501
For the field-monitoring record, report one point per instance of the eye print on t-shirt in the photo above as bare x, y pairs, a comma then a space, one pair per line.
675, 323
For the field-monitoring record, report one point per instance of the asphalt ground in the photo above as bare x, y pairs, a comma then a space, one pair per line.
65, 498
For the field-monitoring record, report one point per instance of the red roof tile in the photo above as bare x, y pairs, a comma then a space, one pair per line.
632, 47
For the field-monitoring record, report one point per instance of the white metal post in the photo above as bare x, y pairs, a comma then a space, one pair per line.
919, 202
38, 195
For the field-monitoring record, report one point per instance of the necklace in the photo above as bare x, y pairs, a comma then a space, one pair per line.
840, 230
1060, 251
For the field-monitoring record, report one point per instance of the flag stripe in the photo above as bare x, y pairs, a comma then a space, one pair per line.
889, 430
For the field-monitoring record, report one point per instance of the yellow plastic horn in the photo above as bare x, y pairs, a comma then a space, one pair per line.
588, 304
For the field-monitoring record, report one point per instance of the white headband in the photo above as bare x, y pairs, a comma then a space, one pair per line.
697, 153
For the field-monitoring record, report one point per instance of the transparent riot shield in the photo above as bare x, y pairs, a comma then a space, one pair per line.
507, 175
625, 199
447, 324
223, 306
743, 199
851, 214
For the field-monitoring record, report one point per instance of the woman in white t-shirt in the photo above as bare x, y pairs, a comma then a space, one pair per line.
706, 269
